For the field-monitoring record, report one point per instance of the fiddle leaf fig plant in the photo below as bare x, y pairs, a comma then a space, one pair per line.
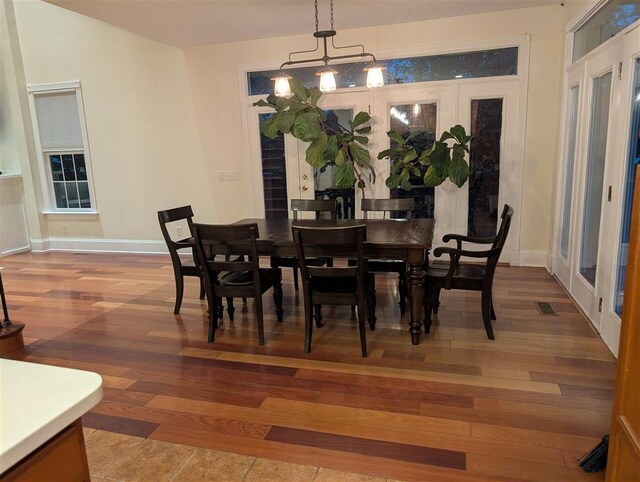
442, 160
330, 144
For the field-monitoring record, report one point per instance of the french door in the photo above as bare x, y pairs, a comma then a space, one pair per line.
600, 152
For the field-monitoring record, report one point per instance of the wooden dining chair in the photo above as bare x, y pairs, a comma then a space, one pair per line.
391, 209
181, 267
467, 276
316, 206
348, 285
235, 278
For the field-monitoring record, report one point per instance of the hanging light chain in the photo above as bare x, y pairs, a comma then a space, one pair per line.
331, 9
315, 5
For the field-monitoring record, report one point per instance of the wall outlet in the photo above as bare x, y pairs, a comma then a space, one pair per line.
179, 231
232, 175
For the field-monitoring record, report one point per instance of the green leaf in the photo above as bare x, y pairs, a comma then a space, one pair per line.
298, 88
458, 168
432, 179
406, 185
385, 153
361, 139
269, 127
459, 133
363, 130
361, 184
272, 99
262, 103
440, 158
315, 94
331, 151
359, 154
306, 127
340, 158
285, 121
446, 135
315, 151
360, 119
396, 137
409, 156
392, 182
345, 177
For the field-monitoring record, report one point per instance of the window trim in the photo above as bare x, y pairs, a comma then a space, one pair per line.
46, 178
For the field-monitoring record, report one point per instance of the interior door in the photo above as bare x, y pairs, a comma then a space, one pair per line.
588, 273
423, 112
489, 113
564, 252
312, 183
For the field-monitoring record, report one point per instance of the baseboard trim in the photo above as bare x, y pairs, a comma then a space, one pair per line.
9, 252
536, 259
99, 245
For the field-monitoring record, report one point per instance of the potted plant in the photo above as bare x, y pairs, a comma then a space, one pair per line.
344, 148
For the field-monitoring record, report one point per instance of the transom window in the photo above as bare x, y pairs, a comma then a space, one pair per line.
428, 68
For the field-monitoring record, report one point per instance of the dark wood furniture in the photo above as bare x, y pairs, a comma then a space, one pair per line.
317, 206
467, 276
410, 241
235, 278
394, 208
328, 285
181, 268
11, 339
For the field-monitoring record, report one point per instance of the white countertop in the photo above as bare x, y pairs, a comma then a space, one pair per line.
38, 401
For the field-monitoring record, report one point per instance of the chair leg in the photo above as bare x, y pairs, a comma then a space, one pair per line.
179, 291
486, 313
277, 298
295, 278
201, 288
318, 315
429, 297
371, 309
230, 308
436, 301
259, 315
361, 326
308, 325
213, 303
493, 312
402, 288
219, 307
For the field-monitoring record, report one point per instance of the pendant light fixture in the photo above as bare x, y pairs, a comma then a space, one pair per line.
327, 82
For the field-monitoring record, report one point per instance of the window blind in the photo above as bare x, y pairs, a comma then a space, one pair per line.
58, 121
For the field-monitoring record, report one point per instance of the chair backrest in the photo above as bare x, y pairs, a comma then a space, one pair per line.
501, 237
171, 215
335, 242
212, 240
396, 208
314, 205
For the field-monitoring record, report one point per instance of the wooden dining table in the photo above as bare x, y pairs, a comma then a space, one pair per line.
408, 240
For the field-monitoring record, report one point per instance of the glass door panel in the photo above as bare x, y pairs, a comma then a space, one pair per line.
572, 125
274, 175
416, 123
595, 177
633, 162
484, 167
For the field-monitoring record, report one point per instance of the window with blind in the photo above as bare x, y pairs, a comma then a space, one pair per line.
60, 132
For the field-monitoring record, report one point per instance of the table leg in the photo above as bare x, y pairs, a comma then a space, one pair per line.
415, 278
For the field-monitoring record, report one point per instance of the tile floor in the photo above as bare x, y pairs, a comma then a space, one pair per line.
124, 458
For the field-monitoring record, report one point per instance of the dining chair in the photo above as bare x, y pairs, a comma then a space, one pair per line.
467, 276
181, 267
344, 285
240, 277
316, 206
394, 209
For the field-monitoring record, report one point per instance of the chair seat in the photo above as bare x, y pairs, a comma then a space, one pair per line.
268, 276
292, 261
467, 271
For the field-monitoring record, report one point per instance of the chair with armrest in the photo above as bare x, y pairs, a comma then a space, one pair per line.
467, 276
181, 268
394, 208
317, 206
348, 285
235, 278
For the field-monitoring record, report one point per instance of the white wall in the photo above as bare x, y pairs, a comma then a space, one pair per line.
145, 147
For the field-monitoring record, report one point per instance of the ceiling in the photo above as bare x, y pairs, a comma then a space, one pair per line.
188, 23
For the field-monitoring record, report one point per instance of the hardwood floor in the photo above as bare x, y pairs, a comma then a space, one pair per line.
455, 407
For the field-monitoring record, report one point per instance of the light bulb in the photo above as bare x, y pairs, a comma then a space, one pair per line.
374, 76
282, 88
416, 110
327, 80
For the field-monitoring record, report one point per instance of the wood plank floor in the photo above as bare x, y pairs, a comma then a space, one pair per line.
456, 407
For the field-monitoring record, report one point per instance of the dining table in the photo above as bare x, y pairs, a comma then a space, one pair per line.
408, 240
